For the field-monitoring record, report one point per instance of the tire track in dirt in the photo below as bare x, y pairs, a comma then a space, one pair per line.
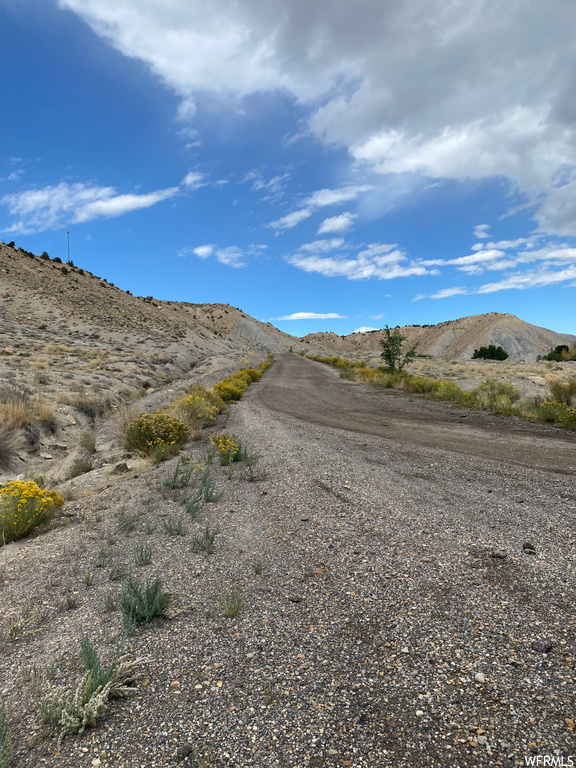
313, 392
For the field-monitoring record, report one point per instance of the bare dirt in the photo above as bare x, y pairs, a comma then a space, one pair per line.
315, 394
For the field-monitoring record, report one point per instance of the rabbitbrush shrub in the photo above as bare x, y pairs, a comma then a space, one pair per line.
229, 449
157, 434
556, 413
197, 410
233, 387
23, 507
563, 392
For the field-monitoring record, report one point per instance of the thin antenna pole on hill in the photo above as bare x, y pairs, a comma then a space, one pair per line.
68, 233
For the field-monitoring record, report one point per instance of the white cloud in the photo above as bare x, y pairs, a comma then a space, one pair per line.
320, 199
230, 256
49, 207
365, 329
457, 90
535, 279
337, 223
377, 317
273, 188
291, 220
506, 244
119, 204
557, 214
37, 210
325, 197
376, 260
445, 293
496, 259
193, 180
481, 231
322, 246
313, 316
203, 251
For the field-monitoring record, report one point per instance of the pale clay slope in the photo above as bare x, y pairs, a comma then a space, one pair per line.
457, 339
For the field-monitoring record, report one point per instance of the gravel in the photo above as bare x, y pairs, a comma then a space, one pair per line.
380, 624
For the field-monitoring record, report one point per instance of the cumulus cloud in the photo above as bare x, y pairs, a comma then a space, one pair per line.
313, 316
320, 199
203, 251
557, 213
337, 223
403, 87
380, 260
481, 231
365, 329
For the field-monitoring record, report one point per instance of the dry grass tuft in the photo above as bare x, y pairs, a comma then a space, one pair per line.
8, 447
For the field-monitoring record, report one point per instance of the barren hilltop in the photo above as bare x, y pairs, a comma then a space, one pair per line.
456, 339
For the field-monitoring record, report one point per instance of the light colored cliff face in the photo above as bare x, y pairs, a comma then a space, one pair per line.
457, 339
248, 329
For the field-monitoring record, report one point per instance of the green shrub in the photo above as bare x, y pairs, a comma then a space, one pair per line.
491, 352
23, 507
174, 526
87, 442
232, 601
491, 390
205, 542
563, 392
143, 554
232, 388
392, 352
228, 449
229, 391
196, 410
561, 353
556, 413
141, 602
74, 713
80, 466
156, 434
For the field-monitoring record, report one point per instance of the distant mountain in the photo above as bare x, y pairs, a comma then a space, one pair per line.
455, 339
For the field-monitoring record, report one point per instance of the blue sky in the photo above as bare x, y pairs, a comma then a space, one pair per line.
324, 166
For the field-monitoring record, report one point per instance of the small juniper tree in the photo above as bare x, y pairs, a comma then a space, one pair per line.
392, 353
491, 352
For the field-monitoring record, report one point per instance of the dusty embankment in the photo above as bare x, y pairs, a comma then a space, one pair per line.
392, 613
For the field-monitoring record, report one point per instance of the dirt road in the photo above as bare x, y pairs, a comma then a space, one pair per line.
314, 393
